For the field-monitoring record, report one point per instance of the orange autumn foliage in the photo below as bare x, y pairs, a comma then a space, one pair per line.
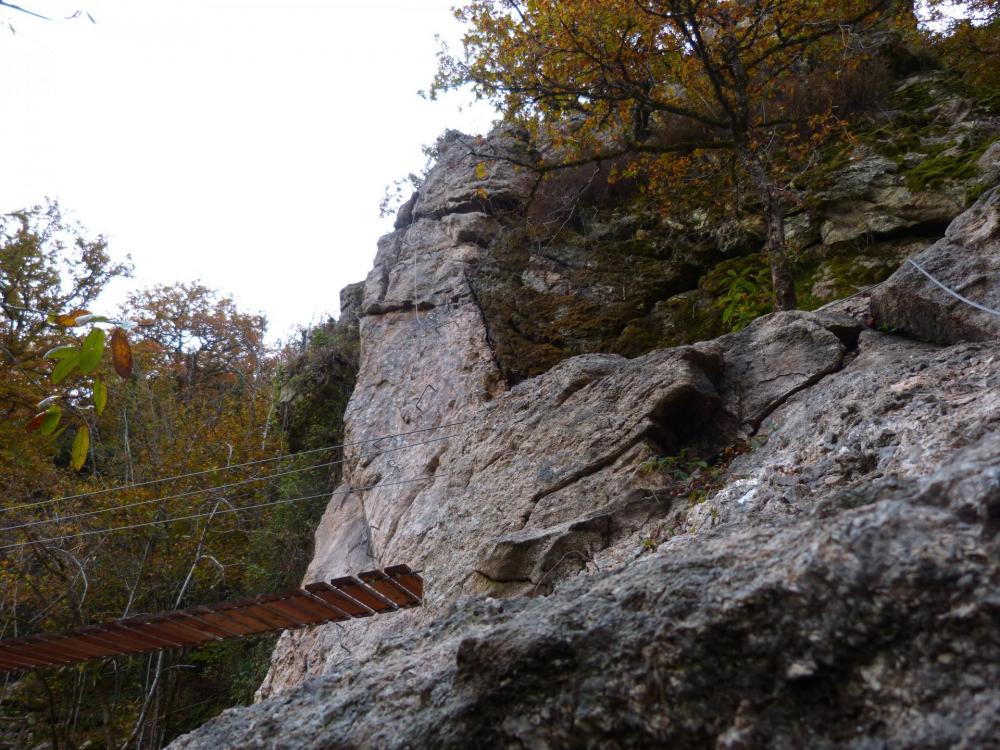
715, 91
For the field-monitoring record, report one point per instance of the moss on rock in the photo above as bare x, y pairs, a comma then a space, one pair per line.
582, 290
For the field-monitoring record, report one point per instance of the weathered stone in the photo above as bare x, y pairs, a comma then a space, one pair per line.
913, 171
988, 165
785, 537
967, 261
776, 356
802, 231
874, 628
476, 174
888, 210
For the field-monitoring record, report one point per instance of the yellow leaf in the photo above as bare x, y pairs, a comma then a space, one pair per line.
81, 444
69, 320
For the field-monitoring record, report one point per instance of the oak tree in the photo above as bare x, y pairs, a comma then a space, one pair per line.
675, 79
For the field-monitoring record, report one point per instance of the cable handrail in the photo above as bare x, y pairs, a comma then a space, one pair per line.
952, 292
190, 493
92, 532
122, 487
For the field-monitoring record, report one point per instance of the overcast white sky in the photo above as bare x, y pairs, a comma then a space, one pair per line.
245, 143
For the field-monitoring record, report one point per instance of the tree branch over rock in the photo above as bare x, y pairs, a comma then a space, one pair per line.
621, 77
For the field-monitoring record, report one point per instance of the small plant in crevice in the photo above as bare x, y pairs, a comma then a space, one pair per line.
662, 533
695, 479
758, 440
747, 294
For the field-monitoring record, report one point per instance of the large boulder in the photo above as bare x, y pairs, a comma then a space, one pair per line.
872, 629
967, 261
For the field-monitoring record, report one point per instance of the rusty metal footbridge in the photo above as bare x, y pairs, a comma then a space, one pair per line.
374, 592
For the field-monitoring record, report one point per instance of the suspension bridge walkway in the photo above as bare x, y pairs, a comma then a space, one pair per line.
374, 592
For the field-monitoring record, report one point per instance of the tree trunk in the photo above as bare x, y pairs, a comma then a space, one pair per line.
774, 217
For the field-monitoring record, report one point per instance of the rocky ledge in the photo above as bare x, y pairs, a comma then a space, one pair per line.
783, 538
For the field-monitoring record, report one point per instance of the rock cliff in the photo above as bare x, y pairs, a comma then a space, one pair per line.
780, 537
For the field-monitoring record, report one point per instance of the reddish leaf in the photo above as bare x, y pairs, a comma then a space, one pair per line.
36, 422
47, 421
121, 353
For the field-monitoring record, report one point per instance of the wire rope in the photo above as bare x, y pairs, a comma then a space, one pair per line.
203, 472
190, 493
92, 532
952, 292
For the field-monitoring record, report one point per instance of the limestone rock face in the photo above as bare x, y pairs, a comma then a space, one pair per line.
475, 175
870, 198
967, 261
783, 537
841, 590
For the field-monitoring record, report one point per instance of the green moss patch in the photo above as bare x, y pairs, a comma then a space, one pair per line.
936, 171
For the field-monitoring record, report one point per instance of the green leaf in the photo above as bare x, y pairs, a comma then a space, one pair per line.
92, 350
81, 444
64, 368
51, 420
100, 397
59, 352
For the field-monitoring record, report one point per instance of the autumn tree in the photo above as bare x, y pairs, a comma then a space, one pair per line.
204, 418
48, 264
968, 37
200, 335
675, 79
200, 395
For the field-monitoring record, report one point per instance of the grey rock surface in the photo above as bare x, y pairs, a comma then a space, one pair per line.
875, 627
882, 207
988, 165
785, 537
966, 260
474, 174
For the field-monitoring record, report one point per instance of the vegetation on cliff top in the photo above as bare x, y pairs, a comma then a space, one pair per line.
733, 93
639, 200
